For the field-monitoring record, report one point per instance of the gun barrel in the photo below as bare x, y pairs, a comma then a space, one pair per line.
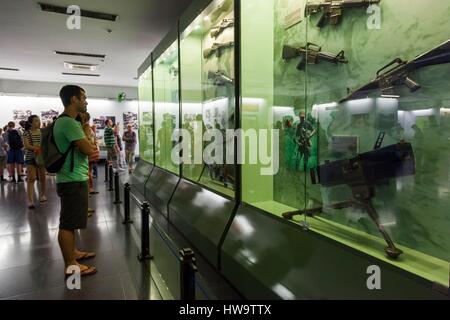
334, 58
358, 3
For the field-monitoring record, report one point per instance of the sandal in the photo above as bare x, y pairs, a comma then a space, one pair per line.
89, 271
86, 255
43, 199
90, 210
32, 206
94, 192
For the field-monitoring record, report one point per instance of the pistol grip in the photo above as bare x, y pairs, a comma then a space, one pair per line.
301, 65
322, 20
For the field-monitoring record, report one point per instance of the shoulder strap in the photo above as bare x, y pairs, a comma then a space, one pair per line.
70, 148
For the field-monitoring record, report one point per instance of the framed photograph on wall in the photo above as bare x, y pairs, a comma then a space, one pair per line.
100, 121
47, 116
21, 115
130, 118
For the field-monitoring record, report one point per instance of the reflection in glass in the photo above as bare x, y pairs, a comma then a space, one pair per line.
166, 107
208, 93
146, 116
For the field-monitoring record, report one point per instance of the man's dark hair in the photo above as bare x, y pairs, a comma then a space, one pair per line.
11, 124
67, 92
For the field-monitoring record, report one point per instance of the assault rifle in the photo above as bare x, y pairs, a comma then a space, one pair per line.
311, 54
398, 71
220, 78
217, 47
332, 9
362, 173
226, 23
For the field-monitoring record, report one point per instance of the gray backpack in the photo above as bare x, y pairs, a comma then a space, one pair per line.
54, 159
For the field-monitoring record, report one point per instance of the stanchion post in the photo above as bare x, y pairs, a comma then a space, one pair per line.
145, 233
116, 189
111, 178
188, 268
106, 170
126, 200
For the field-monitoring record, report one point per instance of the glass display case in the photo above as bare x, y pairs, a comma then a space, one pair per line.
166, 95
208, 96
146, 141
358, 95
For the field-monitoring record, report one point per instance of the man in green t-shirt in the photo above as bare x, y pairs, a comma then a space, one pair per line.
72, 183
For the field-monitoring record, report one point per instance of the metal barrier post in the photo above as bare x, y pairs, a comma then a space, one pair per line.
106, 170
126, 199
188, 268
116, 189
111, 178
145, 233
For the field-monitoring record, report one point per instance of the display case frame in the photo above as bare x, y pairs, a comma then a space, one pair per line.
402, 281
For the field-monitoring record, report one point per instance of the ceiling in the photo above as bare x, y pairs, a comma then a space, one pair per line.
29, 36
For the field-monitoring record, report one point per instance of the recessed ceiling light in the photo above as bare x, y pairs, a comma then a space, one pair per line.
84, 13
80, 74
80, 54
9, 69
80, 66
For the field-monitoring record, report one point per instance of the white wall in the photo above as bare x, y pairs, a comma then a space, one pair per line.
52, 89
96, 107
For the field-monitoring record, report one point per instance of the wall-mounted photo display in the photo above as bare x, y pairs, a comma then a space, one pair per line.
130, 118
21, 115
100, 122
47, 116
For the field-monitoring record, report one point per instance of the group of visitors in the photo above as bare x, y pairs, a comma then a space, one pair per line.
76, 143
113, 143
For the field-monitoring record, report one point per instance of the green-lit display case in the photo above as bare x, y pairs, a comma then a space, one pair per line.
358, 98
166, 97
208, 95
146, 140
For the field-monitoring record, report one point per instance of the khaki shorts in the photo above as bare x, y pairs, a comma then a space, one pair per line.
112, 154
129, 157
2, 161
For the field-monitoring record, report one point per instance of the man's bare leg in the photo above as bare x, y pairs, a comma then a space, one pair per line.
66, 240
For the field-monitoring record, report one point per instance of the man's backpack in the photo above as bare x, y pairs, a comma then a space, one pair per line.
15, 140
54, 159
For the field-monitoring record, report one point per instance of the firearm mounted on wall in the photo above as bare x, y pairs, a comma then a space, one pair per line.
220, 78
398, 72
362, 174
332, 10
226, 23
217, 48
311, 54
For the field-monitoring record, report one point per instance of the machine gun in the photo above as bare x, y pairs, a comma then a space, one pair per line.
362, 173
397, 72
311, 54
332, 9
217, 47
226, 23
220, 78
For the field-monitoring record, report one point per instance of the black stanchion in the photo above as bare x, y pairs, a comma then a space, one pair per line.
145, 233
111, 178
188, 268
106, 170
126, 199
116, 189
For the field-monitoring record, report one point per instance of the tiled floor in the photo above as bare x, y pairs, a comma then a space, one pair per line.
31, 265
